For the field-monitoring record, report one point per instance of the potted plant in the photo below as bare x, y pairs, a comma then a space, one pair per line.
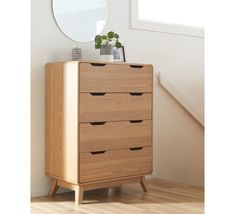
106, 43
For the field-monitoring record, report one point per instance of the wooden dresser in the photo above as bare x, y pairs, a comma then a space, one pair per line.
98, 124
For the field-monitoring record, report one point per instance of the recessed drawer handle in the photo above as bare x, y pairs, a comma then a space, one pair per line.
136, 94
98, 152
136, 148
97, 94
135, 121
98, 64
136, 66
97, 123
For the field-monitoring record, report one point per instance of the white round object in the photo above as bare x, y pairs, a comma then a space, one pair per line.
80, 20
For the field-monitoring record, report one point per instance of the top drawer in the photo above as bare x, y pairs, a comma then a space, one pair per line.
98, 77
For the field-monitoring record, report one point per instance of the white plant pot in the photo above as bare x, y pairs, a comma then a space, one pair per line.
106, 53
107, 58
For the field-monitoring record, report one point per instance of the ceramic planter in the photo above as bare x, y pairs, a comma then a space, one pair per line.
106, 53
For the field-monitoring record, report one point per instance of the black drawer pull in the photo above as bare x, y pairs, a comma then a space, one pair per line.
136, 94
136, 148
135, 121
98, 152
136, 66
97, 123
97, 94
98, 64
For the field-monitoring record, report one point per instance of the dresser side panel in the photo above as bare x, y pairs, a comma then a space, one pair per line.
62, 121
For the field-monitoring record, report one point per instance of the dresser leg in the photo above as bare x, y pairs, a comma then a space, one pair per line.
144, 184
79, 195
54, 188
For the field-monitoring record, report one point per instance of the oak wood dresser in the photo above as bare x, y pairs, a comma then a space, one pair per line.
98, 125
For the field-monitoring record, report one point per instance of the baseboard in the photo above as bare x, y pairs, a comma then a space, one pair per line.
39, 191
44, 190
151, 176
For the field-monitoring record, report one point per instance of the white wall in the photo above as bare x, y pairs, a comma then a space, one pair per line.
178, 138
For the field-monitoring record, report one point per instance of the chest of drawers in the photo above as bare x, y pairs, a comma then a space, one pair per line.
98, 125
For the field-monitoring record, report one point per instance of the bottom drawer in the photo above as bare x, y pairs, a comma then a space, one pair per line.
112, 164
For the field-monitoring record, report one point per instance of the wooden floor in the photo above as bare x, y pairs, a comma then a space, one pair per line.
164, 197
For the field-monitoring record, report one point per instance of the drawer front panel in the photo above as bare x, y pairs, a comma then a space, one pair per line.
115, 135
115, 164
115, 107
115, 78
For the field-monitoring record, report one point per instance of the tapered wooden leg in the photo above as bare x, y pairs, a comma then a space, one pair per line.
144, 184
79, 195
54, 188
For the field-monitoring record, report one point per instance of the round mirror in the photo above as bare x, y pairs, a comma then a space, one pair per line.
80, 20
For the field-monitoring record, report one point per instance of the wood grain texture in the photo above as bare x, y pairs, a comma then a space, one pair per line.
115, 164
115, 135
61, 121
115, 78
115, 107
164, 197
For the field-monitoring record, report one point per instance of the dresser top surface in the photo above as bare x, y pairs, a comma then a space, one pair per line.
97, 62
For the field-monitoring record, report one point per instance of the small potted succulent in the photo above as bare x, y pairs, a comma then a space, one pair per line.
106, 43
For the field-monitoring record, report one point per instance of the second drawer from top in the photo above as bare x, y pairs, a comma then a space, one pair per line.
95, 107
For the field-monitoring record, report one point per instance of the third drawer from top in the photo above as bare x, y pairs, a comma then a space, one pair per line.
99, 136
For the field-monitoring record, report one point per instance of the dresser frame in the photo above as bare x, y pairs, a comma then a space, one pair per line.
62, 125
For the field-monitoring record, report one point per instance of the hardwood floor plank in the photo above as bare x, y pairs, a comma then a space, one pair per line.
164, 197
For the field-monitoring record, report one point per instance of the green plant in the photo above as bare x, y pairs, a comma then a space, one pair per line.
110, 39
